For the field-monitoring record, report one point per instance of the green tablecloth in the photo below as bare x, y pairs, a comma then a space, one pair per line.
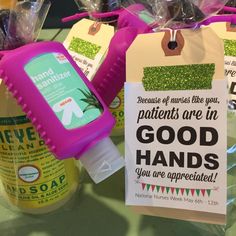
99, 210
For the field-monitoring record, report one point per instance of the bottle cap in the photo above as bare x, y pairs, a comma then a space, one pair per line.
102, 160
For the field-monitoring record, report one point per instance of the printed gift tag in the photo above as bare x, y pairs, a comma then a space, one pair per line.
175, 132
228, 33
88, 42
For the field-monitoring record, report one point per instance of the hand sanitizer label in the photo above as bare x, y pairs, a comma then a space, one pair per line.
69, 108
58, 82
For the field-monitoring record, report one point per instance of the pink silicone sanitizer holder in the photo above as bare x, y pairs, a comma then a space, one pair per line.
62, 142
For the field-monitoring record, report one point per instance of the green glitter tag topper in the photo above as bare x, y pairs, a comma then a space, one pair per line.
84, 48
230, 47
184, 77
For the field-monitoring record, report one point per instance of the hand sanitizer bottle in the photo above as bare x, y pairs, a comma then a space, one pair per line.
62, 105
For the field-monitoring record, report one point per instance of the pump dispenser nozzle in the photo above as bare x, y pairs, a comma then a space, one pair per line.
102, 160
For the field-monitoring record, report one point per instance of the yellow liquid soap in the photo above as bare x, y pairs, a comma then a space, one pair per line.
32, 180
117, 109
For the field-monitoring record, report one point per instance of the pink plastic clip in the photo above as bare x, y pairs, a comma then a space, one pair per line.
96, 15
219, 18
127, 17
229, 9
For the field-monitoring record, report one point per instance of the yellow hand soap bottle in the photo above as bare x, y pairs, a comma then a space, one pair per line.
31, 179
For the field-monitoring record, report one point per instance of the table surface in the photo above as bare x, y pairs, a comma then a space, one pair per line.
100, 209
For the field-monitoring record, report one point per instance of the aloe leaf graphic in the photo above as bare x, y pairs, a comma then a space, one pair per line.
89, 107
87, 100
91, 100
87, 95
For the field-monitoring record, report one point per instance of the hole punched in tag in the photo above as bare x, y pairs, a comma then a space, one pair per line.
172, 43
94, 28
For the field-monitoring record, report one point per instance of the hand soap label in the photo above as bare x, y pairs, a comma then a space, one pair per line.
69, 97
176, 148
117, 110
31, 177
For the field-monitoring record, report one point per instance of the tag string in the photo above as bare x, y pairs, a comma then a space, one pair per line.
173, 34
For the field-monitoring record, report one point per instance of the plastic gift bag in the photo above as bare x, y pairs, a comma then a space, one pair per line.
99, 5
231, 3
180, 13
25, 22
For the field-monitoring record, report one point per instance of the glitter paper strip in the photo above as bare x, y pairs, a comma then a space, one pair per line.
84, 48
185, 77
230, 47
